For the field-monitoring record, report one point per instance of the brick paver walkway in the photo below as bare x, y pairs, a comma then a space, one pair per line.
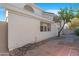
67, 45
56, 47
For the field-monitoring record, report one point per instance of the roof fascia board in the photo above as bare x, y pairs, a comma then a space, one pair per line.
25, 12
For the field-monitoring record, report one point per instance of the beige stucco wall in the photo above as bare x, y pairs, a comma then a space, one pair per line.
48, 34
3, 37
26, 29
37, 11
21, 30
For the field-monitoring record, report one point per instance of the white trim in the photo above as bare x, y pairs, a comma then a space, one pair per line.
11, 7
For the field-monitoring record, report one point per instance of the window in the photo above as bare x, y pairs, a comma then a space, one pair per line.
45, 27
49, 27
41, 28
29, 8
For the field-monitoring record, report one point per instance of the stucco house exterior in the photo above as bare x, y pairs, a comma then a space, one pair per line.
28, 23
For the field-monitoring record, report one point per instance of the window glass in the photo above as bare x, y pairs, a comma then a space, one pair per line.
45, 27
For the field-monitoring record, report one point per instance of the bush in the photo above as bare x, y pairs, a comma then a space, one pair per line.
77, 31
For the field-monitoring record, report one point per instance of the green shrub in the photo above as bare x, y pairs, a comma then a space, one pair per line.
77, 31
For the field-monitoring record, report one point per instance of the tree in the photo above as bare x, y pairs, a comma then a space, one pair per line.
65, 15
77, 13
74, 23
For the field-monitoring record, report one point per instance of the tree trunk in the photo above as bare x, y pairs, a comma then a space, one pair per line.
59, 32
